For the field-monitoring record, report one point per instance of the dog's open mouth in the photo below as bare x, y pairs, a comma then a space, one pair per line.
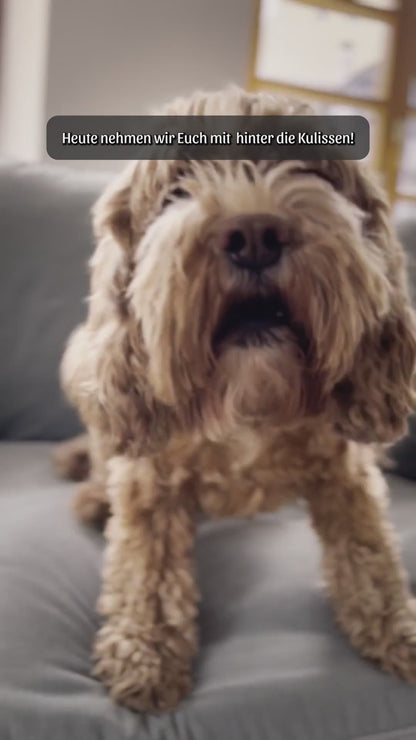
252, 321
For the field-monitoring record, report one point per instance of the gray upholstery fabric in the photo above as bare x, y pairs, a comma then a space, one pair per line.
45, 242
272, 665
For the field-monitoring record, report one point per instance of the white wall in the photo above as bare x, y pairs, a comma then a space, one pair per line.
24, 51
123, 57
119, 56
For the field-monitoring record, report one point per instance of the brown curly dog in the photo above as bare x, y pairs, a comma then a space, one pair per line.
249, 340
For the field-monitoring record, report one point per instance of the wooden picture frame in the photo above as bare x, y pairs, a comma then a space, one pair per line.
393, 108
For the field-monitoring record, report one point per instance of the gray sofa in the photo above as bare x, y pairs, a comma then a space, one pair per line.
272, 664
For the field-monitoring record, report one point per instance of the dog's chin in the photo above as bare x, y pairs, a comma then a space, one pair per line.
260, 373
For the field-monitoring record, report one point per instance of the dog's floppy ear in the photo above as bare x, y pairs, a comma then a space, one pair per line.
375, 397
105, 366
131, 418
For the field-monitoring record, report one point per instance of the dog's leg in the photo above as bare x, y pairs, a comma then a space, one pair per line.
145, 647
82, 459
71, 459
91, 502
363, 569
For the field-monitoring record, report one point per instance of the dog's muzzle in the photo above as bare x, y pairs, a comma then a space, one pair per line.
251, 241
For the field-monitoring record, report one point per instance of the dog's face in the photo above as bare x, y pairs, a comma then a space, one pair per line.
257, 292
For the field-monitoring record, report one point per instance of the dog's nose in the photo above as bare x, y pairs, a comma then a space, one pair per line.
251, 241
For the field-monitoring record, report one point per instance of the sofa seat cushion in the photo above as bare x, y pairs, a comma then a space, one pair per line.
272, 664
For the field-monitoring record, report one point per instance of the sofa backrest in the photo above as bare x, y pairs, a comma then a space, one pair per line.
45, 244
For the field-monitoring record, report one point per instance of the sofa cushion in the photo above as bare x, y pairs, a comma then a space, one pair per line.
45, 242
272, 664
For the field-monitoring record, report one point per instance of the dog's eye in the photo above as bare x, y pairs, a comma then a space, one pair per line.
179, 193
175, 194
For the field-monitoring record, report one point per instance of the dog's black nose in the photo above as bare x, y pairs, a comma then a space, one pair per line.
251, 241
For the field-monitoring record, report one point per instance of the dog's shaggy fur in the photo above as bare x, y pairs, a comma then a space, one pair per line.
191, 406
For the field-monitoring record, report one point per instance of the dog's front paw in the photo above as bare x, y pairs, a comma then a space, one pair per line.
148, 672
399, 655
